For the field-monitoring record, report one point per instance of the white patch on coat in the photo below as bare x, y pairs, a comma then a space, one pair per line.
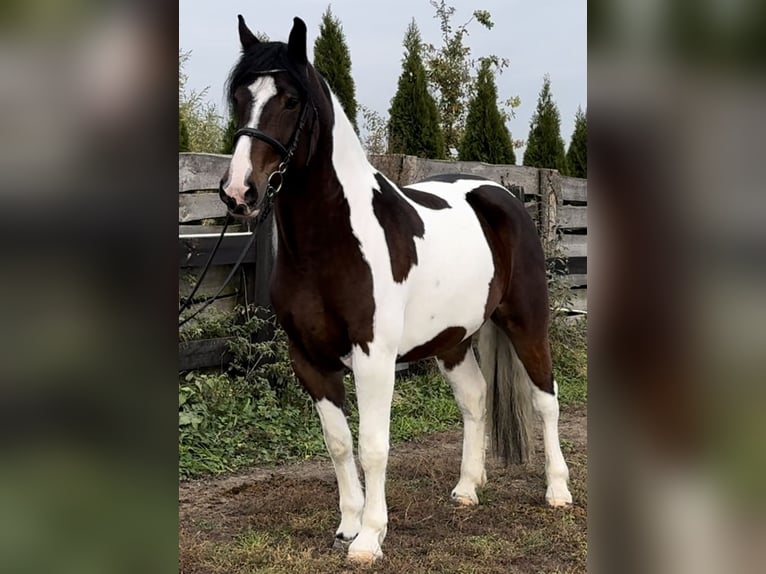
262, 89
449, 285
357, 177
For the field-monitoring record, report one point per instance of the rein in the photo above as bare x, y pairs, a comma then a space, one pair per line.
273, 186
188, 301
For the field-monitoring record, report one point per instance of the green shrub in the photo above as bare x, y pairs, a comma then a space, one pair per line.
257, 413
569, 351
229, 422
568, 334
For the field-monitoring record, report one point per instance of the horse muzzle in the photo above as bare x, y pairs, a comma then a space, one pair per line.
238, 207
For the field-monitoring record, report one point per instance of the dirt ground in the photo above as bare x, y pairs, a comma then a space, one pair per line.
283, 519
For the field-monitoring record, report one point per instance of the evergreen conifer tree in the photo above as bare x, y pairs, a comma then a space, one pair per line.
486, 138
545, 147
333, 60
413, 125
227, 143
577, 155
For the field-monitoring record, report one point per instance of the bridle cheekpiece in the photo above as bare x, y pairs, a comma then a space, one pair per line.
276, 178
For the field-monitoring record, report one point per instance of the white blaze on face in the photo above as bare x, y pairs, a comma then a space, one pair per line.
262, 90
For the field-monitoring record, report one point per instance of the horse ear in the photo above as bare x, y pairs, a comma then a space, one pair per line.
296, 45
246, 37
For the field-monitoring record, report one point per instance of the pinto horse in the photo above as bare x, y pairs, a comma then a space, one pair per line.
367, 274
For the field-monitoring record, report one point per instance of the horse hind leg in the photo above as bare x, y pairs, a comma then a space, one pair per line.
533, 350
556, 471
461, 370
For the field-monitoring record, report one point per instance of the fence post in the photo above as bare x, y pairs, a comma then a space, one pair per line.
550, 202
264, 262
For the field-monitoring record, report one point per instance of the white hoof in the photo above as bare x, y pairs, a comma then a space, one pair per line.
558, 495
365, 549
364, 557
463, 499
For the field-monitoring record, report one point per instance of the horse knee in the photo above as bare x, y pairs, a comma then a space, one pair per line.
373, 452
339, 448
337, 436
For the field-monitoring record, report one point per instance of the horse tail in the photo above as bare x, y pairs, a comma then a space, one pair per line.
509, 395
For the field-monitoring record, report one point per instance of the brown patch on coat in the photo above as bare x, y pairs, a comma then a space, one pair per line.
318, 384
518, 293
454, 356
321, 285
426, 199
401, 224
448, 339
321, 288
492, 206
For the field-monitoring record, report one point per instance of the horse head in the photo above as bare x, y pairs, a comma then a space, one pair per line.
275, 97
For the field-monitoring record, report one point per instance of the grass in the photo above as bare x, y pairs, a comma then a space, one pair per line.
533, 549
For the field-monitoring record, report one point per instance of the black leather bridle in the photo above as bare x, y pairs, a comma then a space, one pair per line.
276, 178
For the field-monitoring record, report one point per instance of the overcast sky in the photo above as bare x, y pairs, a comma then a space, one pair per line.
537, 36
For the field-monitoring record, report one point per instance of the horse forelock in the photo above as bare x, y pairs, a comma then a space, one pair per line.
263, 58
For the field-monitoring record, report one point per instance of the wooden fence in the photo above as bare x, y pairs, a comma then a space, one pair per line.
558, 204
201, 215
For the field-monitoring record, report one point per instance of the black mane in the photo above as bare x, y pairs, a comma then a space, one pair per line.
260, 58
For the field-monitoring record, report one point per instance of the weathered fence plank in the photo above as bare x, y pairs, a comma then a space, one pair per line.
574, 189
209, 229
573, 245
577, 280
198, 171
550, 205
215, 277
203, 353
572, 217
194, 251
404, 170
196, 206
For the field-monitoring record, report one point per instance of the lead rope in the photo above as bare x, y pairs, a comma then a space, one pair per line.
188, 301
271, 193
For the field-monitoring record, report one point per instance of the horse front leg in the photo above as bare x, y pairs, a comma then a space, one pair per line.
328, 393
337, 437
374, 379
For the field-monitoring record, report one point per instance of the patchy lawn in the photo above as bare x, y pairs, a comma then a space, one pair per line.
281, 520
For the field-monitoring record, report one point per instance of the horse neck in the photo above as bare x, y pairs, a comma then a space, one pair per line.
348, 154
306, 209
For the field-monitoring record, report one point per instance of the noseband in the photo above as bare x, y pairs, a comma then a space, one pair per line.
276, 178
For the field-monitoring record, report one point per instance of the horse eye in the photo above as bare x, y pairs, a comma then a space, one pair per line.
292, 103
